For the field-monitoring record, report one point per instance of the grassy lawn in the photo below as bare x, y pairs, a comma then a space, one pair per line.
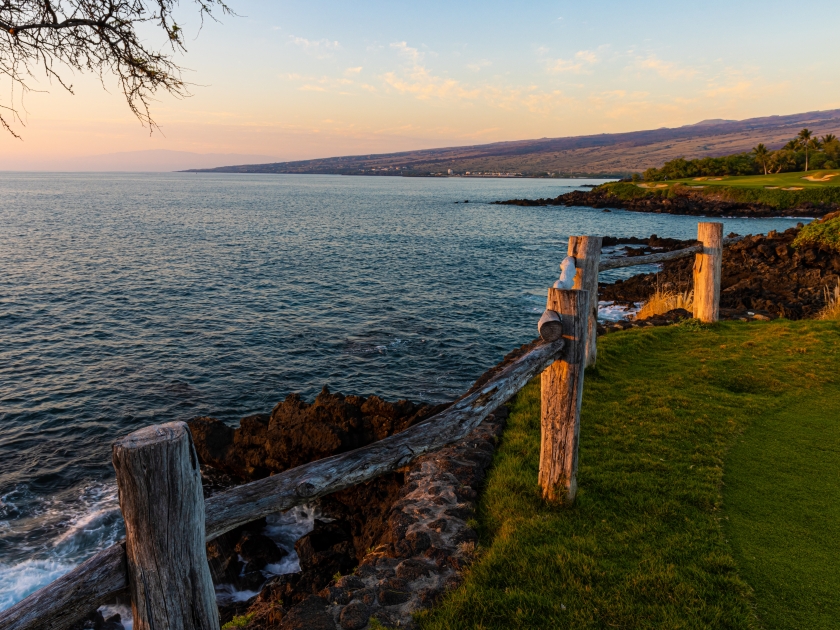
709, 494
782, 180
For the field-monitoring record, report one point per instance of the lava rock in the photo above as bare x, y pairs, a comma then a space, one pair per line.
355, 616
258, 550
311, 614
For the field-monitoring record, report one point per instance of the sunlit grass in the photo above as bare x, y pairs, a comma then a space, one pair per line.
656, 540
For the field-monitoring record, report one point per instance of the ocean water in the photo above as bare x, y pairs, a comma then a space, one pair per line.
131, 299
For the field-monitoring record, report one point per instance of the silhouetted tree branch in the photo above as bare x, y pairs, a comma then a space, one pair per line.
99, 36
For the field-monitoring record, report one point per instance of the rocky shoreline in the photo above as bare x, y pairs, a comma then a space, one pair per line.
682, 201
761, 277
381, 550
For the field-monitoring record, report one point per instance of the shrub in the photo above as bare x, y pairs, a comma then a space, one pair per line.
822, 233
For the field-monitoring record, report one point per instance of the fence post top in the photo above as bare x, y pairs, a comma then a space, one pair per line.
155, 434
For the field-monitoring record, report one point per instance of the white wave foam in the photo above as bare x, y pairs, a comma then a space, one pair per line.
21, 580
612, 312
123, 611
75, 524
226, 594
285, 529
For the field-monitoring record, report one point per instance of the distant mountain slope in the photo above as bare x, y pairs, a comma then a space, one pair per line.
604, 154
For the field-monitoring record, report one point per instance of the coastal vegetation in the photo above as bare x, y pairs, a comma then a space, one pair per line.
802, 153
782, 191
824, 234
707, 495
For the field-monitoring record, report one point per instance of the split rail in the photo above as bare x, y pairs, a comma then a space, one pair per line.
162, 565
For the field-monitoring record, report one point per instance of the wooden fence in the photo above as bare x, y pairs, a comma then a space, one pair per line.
162, 564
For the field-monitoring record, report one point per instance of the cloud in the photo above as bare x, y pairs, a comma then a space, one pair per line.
424, 85
665, 69
319, 48
418, 81
352, 71
478, 65
579, 64
407, 51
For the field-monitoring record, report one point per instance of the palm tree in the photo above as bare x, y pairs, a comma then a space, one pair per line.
783, 159
762, 155
804, 139
813, 145
831, 146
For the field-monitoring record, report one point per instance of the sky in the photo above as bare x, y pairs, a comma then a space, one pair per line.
296, 80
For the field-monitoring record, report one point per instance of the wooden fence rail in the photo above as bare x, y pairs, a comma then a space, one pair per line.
162, 563
103, 577
632, 261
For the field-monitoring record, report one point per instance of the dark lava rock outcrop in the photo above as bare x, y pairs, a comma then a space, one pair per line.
297, 432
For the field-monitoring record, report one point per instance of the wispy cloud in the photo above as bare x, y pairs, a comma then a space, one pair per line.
417, 80
581, 63
407, 51
666, 69
353, 71
479, 65
318, 48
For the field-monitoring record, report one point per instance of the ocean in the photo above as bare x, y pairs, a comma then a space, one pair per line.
132, 299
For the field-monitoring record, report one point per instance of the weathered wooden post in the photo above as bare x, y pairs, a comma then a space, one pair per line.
586, 251
562, 389
707, 266
163, 506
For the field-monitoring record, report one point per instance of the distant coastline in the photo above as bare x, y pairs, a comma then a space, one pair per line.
408, 173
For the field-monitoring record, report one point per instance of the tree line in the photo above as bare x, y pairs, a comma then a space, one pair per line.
803, 153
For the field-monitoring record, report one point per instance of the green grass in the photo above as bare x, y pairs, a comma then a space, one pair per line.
655, 539
782, 180
769, 190
240, 621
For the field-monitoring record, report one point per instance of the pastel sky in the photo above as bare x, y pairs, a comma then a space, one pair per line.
295, 79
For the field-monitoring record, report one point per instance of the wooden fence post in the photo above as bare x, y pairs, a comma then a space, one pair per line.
586, 251
161, 499
707, 266
562, 389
